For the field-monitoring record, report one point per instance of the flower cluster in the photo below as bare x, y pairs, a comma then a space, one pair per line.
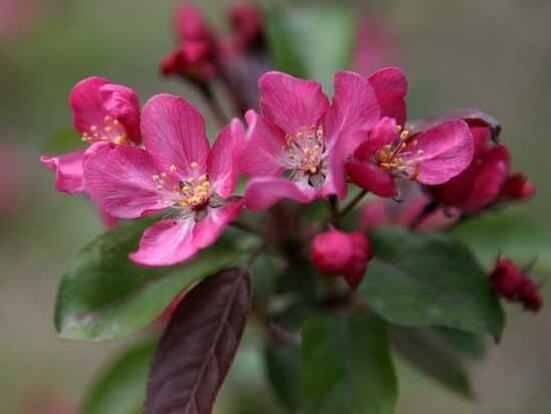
299, 146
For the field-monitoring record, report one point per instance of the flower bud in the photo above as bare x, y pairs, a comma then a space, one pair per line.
518, 187
336, 253
514, 284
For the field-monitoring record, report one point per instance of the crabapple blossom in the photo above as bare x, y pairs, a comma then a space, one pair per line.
298, 143
102, 112
176, 172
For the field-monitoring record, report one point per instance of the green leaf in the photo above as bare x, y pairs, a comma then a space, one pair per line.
519, 237
428, 353
283, 370
66, 140
464, 344
120, 387
346, 366
430, 280
104, 295
312, 43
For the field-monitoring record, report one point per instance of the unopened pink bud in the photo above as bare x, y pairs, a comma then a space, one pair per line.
518, 187
514, 284
336, 253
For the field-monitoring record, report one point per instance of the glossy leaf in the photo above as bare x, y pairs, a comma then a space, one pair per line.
199, 345
283, 369
346, 366
520, 237
312, 43
429, 280
120, 388
104, 295
428, 353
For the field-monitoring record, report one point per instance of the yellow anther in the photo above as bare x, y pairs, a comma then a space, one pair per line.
105, 138
194, 165
93, 128
116, 122
107, 118
107, 129
172, 168
404, 134
120, 139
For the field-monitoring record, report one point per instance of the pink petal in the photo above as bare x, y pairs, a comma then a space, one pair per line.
441, 152
189, 23
481, 139
165, 243
68, 171
354, 111
372, 178
120, 180
489, 179
87, 104
391, 87
385, 132
208, 230
264, 152
123, 104
223, 159
174, 134
291, 103
263, 192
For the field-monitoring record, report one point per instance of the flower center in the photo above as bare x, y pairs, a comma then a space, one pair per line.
391, 156
110, 130
305, 149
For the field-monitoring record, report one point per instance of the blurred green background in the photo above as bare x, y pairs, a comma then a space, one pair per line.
495, 55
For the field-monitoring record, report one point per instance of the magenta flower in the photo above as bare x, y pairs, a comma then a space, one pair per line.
102, 112
409, 213
298, 143
336, 253
177, 173
194, 57
431, 156
481, 183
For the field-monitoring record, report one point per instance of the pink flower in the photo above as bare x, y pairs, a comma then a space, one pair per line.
408, 213
337, 253
514, 284
176, 172
431, 156
298, 144
102, 112
481, 183
190, 24
247, 24
195, 56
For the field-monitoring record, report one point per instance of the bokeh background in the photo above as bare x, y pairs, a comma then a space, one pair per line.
495, 55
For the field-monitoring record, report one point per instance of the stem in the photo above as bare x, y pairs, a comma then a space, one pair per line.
332, 204
214, 105
353, 203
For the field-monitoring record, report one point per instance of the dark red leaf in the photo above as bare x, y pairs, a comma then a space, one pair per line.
473, 117
199, 345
